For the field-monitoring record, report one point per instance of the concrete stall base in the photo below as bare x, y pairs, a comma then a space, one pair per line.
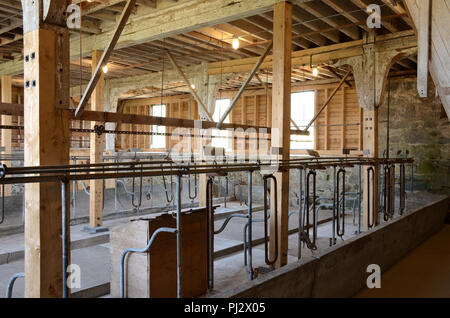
341, 271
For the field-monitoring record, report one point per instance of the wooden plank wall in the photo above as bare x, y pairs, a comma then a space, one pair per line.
17, 135
331, 134
181, 106
255, 108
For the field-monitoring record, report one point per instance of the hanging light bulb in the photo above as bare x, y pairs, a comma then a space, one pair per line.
105, 69
235, 43
315, 72
193, 86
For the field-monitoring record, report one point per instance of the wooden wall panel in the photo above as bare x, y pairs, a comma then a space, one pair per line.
337, 127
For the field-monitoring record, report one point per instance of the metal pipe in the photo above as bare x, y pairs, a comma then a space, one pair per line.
250, 226
12, 280
226, 193
340, 176
227, 220
210, 232
137, 205
402, 189
275, 205
137, 250
178, 232
392, 191
313, 174
289, 165
333, 227
370, 209
65, 203
359, 198
194, 195
300, 220
2, 219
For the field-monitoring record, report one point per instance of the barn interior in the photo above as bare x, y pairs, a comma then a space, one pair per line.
224, 148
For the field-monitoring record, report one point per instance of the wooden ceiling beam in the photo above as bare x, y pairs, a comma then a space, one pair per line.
331, 17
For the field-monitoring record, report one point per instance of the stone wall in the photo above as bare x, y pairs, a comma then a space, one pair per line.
419, 126
416, 125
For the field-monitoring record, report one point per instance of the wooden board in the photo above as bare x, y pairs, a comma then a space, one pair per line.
154, 274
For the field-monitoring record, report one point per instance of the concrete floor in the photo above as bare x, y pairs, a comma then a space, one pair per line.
92, 253
425, 272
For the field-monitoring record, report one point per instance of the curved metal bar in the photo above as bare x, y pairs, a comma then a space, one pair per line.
340, 178
137, 250
137, 205
85, 187
192, 196
275, 205
245, 236
370, 209
12, 280
149, 193
392, 191
312, 173
227, 220
169, 200
386, 192
226, 192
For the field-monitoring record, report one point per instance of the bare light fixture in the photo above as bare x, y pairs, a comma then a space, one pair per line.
315, 72
192, 86
235, 43
105, 69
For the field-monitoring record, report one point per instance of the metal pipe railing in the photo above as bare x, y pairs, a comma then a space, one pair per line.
300, 219
65, 174
65, 219
251, 272
340, 178
312, 173
275, 214
371, 207
210, 232
402, 190
137, 250
12, 280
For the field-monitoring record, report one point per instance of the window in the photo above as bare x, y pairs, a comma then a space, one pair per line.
302, 111
221, 136
158, 141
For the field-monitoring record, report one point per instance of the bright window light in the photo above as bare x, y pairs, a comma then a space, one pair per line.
221, 139
158, 141
302, 111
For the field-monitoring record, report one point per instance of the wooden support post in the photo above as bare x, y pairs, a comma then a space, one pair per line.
370, 70
96, 150
7, 120
47, 141
281, 115
423, 46
370, 136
